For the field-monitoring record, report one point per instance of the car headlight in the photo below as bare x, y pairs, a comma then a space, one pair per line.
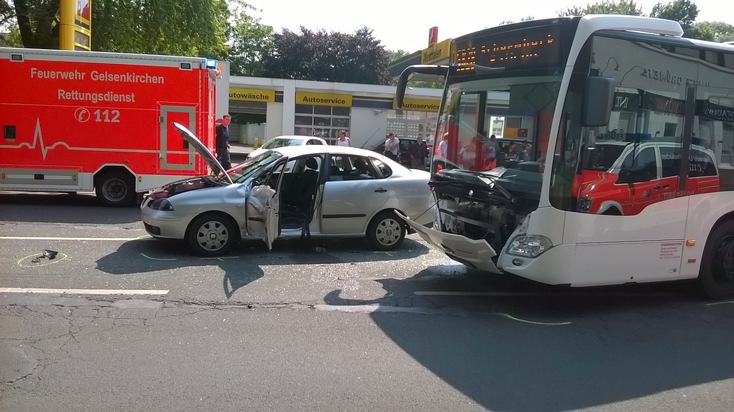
585, 203
161, 204
529, 245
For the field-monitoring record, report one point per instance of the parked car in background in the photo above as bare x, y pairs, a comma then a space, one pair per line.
283, 141
322, 191
405, 143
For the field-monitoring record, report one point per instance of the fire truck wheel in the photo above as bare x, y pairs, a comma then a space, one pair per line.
115, 189
211, 234
716, 278
386, 231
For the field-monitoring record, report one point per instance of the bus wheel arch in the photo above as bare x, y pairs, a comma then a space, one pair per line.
716, 275
115, 186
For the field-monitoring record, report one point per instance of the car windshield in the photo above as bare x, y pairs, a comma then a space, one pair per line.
253, 166
282, 143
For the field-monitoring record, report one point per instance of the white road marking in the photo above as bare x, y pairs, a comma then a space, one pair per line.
559, 293
116, 239
449, 293
85, 291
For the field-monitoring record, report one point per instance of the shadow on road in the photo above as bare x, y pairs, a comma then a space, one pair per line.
244, 264
66, 207
533, 348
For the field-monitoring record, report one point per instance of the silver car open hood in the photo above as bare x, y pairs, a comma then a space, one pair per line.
214, 164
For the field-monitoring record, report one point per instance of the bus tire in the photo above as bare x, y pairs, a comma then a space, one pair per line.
115, 189
386, 231
716, 277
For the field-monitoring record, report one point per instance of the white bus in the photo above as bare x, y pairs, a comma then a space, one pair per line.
616, 160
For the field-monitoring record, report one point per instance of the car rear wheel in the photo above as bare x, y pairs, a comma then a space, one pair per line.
716, 278
211, 234
386, 231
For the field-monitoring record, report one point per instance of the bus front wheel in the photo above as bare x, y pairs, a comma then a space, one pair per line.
716, 278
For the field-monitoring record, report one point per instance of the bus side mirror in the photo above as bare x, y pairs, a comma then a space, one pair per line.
598, 101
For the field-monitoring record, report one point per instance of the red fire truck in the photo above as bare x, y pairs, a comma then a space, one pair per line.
89, 121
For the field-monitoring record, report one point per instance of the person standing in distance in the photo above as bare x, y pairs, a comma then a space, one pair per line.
344, 140
223, 142
392, 147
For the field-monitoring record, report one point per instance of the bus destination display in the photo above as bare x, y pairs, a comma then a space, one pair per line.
530, 47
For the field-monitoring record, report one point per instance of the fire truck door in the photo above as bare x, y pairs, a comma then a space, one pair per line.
175, 153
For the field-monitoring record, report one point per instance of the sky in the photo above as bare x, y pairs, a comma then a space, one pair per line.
404, 24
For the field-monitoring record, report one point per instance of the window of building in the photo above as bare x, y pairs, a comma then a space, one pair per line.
322, 121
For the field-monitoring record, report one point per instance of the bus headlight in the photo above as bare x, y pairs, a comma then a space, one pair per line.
529, 245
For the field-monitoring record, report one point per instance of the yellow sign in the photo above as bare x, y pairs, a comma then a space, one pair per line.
419, 105
75, 25
323, 99
437, 52
252, 95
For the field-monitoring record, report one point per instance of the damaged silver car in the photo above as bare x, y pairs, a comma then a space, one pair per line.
318, 191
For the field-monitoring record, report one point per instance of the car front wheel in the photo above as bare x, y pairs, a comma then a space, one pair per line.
211, 235
386, 231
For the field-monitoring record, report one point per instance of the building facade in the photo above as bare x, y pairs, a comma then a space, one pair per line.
366, 112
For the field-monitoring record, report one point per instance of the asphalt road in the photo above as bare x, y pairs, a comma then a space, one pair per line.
117, 320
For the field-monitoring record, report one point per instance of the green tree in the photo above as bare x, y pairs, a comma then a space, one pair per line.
7, 13
194, 27
9, 33
333, 57
37, 21
715, 30
250, 41
682, 11
627, 7
396, 55
174, 27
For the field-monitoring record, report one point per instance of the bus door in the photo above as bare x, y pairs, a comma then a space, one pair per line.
175, 153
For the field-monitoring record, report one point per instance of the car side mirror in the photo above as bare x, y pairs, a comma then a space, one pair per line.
625, 176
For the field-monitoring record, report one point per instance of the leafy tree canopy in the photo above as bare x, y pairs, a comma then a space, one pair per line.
189, 28
192, 28
682, 11
250, 41
713, 30
627, 7
332, 57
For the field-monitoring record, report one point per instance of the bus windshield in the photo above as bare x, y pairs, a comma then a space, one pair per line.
496, 129
495, 122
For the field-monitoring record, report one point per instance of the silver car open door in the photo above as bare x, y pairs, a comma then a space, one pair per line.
475, 253
263, 204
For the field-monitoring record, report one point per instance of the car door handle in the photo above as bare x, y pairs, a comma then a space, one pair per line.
656, 187
380, 190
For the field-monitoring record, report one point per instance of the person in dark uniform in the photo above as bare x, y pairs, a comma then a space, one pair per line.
223, 142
